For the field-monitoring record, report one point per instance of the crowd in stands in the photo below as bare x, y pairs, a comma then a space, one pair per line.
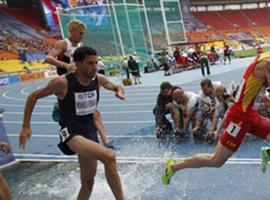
89, 2
16, 45
182, 59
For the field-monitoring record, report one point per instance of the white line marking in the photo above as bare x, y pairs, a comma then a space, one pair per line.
57, 136
9, 164
40, 157
121, 104
101, 100
22, 91
74, 159
113, 112
105, 122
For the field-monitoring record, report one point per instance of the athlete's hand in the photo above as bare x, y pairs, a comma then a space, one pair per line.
110, 145
71, 67
5, 147
24, 136
120, 94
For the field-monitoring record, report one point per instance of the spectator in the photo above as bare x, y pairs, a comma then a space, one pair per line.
224, 101
164, 60
100, 66
136, 58
264, 108
204, 62
188, 103
206, 108
226, 53
163, 107
133, 66
125, 66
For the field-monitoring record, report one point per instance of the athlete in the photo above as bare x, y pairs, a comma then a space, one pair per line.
62, 57
78, 95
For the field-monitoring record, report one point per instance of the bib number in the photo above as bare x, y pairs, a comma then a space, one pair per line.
64, 134
233, 129
85, 103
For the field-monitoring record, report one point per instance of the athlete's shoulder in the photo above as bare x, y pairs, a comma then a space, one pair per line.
101, 79
60, 81
61, 44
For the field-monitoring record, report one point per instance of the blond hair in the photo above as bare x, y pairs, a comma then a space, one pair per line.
74, 24
220, 90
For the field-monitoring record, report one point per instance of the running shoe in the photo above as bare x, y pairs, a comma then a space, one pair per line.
168, 173
55, 113
265, 158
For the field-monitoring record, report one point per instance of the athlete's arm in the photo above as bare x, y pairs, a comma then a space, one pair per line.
55, 86
59, 48
104, 82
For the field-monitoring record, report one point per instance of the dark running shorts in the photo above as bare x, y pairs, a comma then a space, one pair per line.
87, 130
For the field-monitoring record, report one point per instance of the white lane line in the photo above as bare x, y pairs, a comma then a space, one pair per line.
105, 122
57, 136
113, 112
74, 159
141, 96
40, 157
121, 104
147, 88
106, 94
22, 91
11, 98
22, 106
101, 100
9, 164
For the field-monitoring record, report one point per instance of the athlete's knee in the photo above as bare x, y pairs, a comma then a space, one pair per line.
217, 162
109, 158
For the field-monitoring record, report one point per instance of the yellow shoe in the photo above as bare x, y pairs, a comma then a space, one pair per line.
168, 173
265, 158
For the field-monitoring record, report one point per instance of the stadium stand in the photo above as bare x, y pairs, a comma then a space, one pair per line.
27, 16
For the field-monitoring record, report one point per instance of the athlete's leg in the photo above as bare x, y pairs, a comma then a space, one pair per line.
216, 159
5, 193
100, 127
88, 169
262, 127
229, 142
92, 150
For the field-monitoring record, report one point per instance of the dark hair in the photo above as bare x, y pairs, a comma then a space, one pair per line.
165, 85
207, 82
81, 52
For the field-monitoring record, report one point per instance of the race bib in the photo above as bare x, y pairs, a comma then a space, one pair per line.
64, 134
85, 102
233, 129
